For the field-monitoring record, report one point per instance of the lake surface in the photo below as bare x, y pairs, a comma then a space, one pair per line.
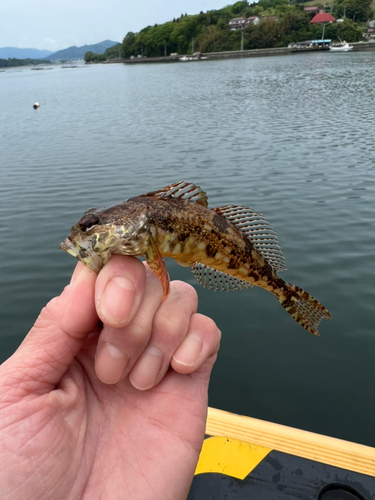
291, 137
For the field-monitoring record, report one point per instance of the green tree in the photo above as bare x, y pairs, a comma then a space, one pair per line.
239, 7
87, 57
349, 31
128, 45
91, 57
358, 10
265, 35
212, 39
265, 4
113, 52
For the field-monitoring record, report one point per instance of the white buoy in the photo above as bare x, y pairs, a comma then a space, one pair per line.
36, 105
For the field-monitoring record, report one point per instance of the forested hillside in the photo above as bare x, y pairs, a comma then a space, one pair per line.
209, 32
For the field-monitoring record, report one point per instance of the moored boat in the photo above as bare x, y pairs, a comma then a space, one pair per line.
197, 56
341, 47
187, 58
310, 46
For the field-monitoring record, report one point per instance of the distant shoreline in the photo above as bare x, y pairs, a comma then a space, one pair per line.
208, 56
211, 56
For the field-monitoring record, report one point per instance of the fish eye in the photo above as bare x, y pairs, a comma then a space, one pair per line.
91, 221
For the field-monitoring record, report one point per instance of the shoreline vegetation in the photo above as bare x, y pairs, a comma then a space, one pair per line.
281, 22
12, 63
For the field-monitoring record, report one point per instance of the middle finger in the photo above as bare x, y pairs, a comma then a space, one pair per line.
170, 325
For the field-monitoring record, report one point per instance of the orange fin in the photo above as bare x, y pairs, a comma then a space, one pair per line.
183, 190
157, 265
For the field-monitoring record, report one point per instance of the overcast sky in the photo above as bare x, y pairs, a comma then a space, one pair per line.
58, 24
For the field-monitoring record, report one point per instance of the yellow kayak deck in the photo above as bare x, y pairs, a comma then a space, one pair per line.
245, 458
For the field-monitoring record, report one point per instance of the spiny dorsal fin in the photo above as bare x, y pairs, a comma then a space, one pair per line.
216, 280
260, 233
183, 190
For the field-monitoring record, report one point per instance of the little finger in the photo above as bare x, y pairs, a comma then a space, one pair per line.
201, 342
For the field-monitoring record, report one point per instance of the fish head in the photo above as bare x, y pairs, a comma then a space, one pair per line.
120, 229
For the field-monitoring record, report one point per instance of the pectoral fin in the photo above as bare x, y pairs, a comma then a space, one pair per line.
157, 266
259, 232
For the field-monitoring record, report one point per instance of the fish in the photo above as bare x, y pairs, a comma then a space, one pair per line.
228, 248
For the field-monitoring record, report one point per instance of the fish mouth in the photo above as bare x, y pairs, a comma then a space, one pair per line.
68, 246
81, 252
84, 254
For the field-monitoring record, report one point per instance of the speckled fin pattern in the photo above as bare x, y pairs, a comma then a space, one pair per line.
184, 190
260, 233
304, 309
216, 280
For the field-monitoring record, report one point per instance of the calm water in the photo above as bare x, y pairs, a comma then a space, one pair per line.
289, 136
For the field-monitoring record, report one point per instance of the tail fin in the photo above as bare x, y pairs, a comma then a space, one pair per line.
306, 310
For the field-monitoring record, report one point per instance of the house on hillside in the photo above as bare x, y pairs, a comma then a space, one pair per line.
370, 33
238, 23
322, 18
311, 11
242, 22
253, 20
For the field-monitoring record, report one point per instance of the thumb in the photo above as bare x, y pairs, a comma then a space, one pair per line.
55, 339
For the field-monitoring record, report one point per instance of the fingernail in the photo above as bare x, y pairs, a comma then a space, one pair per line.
189, 351
117, 300
147, 369
110, 364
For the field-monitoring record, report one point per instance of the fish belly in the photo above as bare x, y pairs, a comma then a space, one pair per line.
221, 257
252, 268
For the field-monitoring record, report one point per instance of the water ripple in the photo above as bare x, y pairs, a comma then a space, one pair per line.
289, 136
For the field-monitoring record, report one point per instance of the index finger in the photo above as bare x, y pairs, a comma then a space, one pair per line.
119, 290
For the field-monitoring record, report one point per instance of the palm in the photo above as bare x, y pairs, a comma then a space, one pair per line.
111, 441
64, 434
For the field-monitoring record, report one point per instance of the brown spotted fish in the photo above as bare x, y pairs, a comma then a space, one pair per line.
227, 248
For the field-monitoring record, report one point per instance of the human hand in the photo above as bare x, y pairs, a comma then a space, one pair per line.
76, 420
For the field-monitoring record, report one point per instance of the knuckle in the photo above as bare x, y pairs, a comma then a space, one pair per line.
168, 325
128, 340
209, 327
140, 330
207, 322
184, 291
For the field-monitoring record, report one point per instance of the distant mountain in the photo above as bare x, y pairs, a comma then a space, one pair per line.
78, 52
14, 52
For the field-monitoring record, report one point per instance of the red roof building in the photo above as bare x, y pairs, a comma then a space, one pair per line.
323, 18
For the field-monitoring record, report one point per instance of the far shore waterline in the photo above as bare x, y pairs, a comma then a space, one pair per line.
206, 56
236, 54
